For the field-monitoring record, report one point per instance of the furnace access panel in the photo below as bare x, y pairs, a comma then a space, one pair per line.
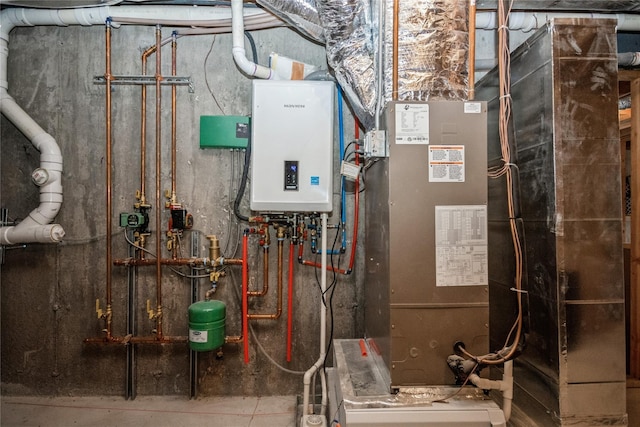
292, 146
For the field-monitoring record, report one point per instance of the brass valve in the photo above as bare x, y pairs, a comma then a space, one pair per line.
150, 311
99, 311
214, 248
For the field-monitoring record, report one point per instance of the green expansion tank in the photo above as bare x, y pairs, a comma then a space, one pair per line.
206, 325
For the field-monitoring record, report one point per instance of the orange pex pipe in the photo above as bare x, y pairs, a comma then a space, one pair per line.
290, 303
245, 287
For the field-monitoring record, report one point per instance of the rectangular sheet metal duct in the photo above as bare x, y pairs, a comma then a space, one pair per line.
566, 140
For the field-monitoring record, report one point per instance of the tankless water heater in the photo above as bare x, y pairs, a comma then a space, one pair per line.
292, 146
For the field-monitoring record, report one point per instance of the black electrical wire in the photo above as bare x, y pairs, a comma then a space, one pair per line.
331, 289
243, 182
247, 153
252, 42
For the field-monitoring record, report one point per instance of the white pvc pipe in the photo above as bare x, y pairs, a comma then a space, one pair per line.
166, 15
306, 409
528, 21
37, 226
239, 53
505, 386
507, 394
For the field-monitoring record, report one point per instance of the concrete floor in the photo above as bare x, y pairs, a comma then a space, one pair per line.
176, 411
148, 411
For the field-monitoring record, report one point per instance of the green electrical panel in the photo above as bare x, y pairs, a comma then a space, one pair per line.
224, 131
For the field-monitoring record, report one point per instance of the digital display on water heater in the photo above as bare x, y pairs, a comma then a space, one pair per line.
291, 175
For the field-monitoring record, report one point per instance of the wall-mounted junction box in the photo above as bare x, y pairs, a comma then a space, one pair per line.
292, 146
224, 131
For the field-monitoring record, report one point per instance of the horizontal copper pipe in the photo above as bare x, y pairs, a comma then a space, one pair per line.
318, 265
178, 261
137, 340
233, 339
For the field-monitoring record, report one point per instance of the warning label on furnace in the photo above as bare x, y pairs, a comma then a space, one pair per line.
461, 245
446, 163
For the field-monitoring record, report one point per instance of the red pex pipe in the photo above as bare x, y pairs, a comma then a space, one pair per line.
356, 214
245, 288
356, 200
290, 303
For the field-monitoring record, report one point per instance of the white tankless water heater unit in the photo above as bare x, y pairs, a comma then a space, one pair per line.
292, 146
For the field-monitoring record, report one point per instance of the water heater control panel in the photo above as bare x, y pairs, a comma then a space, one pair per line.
292, 146
291, 175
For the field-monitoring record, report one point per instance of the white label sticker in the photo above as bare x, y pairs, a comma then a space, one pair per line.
446, 163
472, 108
412, 124
461, 245
198, 336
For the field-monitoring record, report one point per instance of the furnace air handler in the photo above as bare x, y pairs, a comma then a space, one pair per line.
426, 283
292, 146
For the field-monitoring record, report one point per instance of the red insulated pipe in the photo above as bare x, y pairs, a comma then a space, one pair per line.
290, 302
245, 288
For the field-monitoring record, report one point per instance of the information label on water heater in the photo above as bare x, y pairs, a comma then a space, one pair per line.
461, 245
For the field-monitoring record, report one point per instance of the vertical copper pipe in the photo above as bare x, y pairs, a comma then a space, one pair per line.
278, 313
174, 50
245, 303
280, 270
396, 30
290, 303
158, 184
143, 134
265, 274
109, 212
472, 49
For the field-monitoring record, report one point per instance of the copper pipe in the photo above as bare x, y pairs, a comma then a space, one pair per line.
318, 265
143, 135
396, 30
108, 78
472, 49
192, 262
174, 149
233, 339
290, 302
315, 264
158, 183
245, 299
143, 124
153, 339
265, 275
278, 313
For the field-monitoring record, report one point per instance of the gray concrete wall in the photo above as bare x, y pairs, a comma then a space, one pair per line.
49, 291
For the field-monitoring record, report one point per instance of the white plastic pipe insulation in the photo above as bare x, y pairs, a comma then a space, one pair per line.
528, 21
239, 53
